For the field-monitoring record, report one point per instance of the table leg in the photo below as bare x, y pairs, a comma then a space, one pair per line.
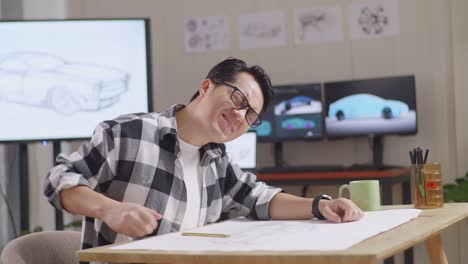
406, 192
406, 199
387, 194
435, 249
387, 199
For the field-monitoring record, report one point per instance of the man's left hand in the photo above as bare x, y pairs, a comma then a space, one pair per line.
340, 210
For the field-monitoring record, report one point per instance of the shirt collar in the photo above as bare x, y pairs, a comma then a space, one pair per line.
168, 126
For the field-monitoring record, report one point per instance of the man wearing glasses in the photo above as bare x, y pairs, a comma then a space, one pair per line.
155, 173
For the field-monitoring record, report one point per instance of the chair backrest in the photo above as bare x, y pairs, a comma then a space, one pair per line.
43, 247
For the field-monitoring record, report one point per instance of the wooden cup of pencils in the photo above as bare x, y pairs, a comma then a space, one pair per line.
427, 181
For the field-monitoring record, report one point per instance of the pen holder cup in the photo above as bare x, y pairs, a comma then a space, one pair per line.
427, 186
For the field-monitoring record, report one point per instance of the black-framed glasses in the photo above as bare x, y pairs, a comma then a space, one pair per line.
240, 102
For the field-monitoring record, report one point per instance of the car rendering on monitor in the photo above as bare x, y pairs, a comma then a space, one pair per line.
298, 105
362, 106
297, 123
47, 80
264, 129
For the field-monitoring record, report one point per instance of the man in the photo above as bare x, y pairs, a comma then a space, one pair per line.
154, 173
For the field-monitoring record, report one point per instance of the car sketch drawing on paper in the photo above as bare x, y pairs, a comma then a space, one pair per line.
47, 80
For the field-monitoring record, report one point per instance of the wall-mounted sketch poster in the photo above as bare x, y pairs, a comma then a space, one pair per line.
59, 79
374, 19
205, 34
318, 25
262, 30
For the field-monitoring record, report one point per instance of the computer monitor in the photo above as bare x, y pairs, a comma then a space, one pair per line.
298, 111
378, 106
60, 78
243, 150
265, 131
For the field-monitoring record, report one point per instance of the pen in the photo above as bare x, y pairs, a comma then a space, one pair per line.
417, 159
204, 234
425, 156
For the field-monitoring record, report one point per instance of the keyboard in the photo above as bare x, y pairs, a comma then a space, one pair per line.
313, 168
368, 167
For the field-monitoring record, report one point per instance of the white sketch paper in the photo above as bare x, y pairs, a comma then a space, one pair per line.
374, 19
318, 25
262, 30
249, 235
205, 34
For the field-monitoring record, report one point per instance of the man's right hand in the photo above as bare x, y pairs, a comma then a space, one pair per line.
131, 219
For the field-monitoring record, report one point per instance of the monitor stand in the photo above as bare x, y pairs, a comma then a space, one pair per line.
58, 213
376, 164
377, 150
279, 161
377, 146
282, 166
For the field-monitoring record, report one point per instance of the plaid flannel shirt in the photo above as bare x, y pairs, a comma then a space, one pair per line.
136, 158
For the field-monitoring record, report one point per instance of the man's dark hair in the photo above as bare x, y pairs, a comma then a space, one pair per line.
230, 68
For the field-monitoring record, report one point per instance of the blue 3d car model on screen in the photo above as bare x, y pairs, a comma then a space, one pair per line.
361, 106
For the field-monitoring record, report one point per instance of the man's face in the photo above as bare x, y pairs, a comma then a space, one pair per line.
224, 120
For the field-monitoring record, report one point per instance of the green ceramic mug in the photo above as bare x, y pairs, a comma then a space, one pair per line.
365, 194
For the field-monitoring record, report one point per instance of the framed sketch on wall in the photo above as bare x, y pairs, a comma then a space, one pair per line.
205, 34
318, 25
262, 30
373, 19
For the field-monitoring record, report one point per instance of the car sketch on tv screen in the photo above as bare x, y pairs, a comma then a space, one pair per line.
47, 80
60, 78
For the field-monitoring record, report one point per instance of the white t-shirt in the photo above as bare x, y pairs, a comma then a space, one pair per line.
193, 182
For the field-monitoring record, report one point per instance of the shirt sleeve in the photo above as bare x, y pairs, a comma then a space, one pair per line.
245, 196
93, 163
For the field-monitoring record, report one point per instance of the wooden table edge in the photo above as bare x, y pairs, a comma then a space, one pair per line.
89, 254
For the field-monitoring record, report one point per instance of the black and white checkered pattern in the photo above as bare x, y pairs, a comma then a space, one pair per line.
136, 158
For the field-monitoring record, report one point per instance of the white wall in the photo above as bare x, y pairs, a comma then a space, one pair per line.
423, 48
44, 9
433, 45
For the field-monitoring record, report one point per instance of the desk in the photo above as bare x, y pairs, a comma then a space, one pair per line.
425, 228
387, 179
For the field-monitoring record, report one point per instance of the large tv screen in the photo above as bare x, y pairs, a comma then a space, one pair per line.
60, 78
371, 107
298, 112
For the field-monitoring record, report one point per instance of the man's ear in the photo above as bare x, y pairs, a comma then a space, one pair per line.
205, 87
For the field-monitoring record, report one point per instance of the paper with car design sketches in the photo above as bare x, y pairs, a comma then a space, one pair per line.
250, 235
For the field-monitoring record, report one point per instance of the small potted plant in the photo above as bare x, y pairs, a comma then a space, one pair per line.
457, 192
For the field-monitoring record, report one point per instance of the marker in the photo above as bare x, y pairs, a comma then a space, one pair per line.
204, 234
